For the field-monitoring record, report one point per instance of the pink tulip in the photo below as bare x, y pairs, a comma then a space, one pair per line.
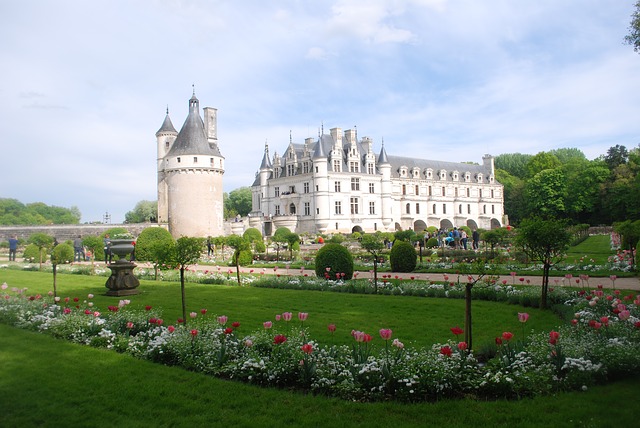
193, 314
302, 316
287, 316
222, 319
523, 316
397, 344
463, 346
624, 315
267, 324
385, 333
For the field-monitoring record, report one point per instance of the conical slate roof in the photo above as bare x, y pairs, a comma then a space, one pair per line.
167, 126
192, 139
266, 162
383, 158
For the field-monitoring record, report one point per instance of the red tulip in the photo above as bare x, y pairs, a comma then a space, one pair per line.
279, 338
307, 348
228, 330
194, 332
446, 351
331, 327
462, 346
553, 337
507, 335
457, 330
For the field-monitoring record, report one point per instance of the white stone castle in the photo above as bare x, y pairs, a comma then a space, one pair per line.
190, 169
337, 184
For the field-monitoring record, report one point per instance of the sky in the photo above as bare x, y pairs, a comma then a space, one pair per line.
84, 85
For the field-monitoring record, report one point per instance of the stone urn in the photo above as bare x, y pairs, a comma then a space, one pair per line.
122, 281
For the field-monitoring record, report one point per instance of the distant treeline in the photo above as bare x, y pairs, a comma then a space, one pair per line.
563, 183
14, 212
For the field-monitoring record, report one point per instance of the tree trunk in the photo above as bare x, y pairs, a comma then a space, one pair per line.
55, 291
238, 270
184, 306
545, 284
375, 274
467, 316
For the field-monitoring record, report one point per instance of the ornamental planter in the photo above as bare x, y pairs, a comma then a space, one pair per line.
122, 281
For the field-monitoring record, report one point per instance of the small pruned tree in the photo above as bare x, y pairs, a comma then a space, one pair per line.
42, 241
93, 244
185, 252
153, 245
239, 244
544, 241
630, 233
374, 245
334, 261
293, 241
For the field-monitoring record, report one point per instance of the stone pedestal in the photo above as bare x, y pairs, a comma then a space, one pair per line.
122, 281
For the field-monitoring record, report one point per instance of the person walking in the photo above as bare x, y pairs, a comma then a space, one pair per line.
107, 249
78, 249
475, 239
13, 248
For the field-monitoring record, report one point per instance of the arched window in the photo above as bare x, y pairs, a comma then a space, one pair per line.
292, 209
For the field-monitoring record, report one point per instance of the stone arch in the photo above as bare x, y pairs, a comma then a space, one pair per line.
446, 224
292, 208
471, 224
398, 227
419, 226
356, 229
495, 223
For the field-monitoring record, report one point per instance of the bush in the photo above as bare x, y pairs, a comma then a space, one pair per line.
252, 235
260, 247
403, 257
31, 254
149, 237
335, 257
245, 258
62, 254
432, 243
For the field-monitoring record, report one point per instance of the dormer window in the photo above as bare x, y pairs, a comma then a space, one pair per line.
454, 175
403, 171
479, 178
467, 177
416, 172
429, 173
443, 174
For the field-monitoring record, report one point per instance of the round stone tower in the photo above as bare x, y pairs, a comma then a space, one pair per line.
191, 171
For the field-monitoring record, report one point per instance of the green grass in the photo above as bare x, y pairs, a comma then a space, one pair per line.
50, 383
596, 247
414, 320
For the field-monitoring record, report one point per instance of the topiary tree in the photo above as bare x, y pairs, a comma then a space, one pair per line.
61, 254
374, 245
333, 259
432, 243
252, 235
239, 245
43, 242
293, 240
33, 254
403, 257
186, 251
151, 246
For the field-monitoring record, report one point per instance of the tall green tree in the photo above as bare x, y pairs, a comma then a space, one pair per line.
143, 212
633, 38
544, 241
513, 163
546, 193
238, 201
515, 201
541, 162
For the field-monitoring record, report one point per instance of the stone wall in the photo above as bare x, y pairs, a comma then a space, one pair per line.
65, 232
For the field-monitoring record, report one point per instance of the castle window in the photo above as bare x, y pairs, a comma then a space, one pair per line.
403, 171
305, 168
434, 208
306, 187
211, 161
444, 191
354, 166
492, 193
338, 208
467, 177
480, 193
370, 168
195, 159
404, 189
292, 189
408, 208
307, 209
444, 208
277, 209
336, 186
456, 191
430, 192
316, 170
468, 208
479, 178
468, 192
178, 160
493, 209
292, 209
277, 191
354, 206
355, 184
484, 209
416, 172
166, 145
336, 165
372, 208
417, 208
372, 188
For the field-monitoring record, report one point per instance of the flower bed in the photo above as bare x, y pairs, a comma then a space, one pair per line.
602, 342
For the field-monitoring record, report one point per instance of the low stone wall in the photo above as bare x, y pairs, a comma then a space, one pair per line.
64, 232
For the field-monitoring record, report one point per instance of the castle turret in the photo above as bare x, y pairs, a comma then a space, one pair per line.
193, 169
165, 137
321, 182
386, 188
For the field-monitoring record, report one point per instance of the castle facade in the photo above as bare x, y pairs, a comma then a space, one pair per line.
338, 184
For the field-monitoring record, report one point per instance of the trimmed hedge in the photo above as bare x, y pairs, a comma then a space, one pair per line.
403, 257
337, 258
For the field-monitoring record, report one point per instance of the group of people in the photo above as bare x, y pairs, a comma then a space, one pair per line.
79, 250
457, 238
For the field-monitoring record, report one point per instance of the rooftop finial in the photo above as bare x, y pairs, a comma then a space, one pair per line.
290, 138
167, 108
193, 85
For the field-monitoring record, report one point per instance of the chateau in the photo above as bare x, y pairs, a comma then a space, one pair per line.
190, 169
338, 184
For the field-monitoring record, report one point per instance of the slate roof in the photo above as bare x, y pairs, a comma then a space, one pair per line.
192, 139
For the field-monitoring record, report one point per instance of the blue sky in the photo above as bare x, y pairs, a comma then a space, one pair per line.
84, 84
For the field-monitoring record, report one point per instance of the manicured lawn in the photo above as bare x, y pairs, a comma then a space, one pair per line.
51, 383
414, 320
596, 248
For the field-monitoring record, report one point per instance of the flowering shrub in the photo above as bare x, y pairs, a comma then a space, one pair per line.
602, 342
